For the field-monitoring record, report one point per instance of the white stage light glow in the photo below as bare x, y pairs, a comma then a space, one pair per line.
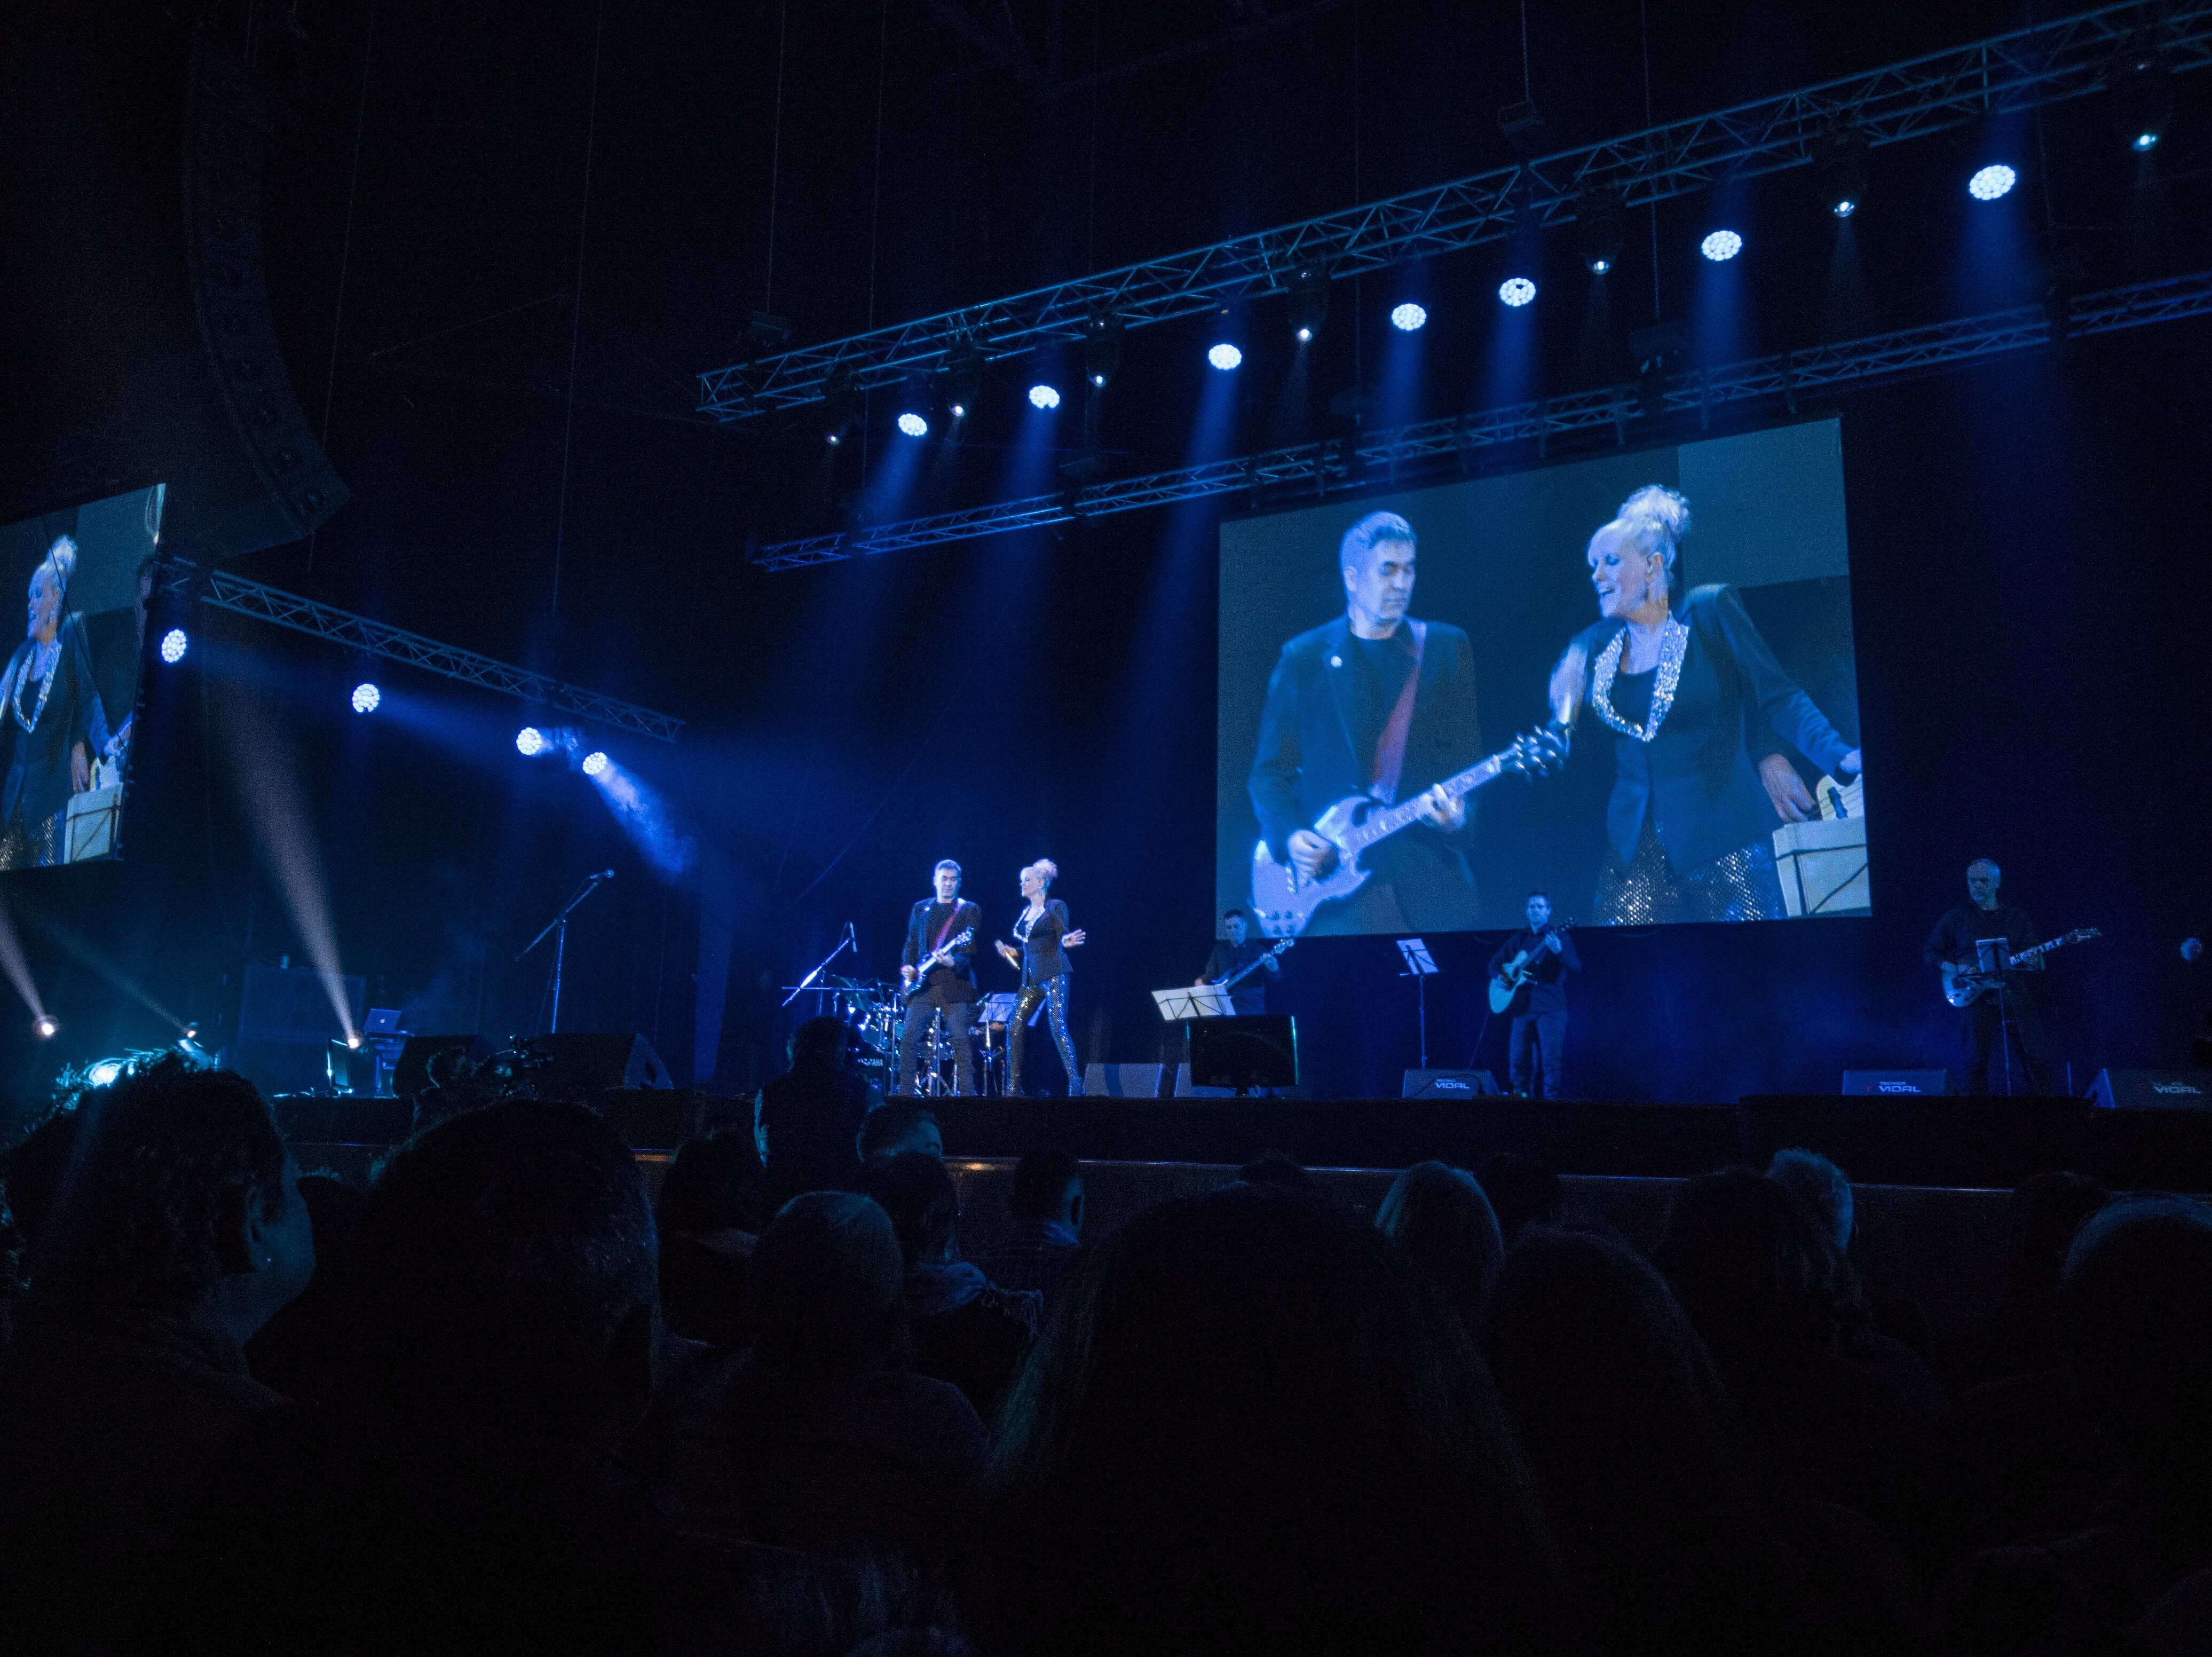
594, 763
1409, 318
1224, 356
913, 424
1721, 247
530, 742
175, 644
1516, 291
1044, 397
366, 698
1991, 182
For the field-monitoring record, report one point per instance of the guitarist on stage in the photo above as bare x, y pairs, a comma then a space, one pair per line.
1237, 950
1540, 1006
1990, 1015
947, 983
1374, 703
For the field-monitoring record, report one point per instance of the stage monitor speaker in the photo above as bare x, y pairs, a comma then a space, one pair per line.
2153, 1089
1245, 1053
1187, 1088
578, 1065
1448, 1084
1123, 1081
1897, 1081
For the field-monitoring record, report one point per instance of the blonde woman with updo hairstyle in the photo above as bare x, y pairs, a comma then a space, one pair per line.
1688, 688
50, 713
1042, 931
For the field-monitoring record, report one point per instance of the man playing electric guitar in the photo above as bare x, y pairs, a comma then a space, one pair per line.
1234, 956
937, 968
2009, 1008
1540, 959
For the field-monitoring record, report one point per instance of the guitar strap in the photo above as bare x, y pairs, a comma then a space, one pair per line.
1390, 747
945, 930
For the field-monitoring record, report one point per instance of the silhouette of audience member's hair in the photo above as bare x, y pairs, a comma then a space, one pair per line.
1440, 1217
901, 1125
1635, 1444
709, 1211
1522, 1190
825, 1286
1279, 1169
1823, 1188
1043, 1181
1253, 1427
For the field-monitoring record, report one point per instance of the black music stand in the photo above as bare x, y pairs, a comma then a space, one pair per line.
1420, 967
1990, 955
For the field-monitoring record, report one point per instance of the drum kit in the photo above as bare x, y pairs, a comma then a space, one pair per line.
875, 1011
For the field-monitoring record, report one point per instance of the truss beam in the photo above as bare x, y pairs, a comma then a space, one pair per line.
248, 598
2047, 64
1322, 468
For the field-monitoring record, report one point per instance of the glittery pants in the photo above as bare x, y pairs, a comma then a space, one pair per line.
1742, 886
24, 848
1053, 993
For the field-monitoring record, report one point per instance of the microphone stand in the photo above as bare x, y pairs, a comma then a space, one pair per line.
804, 984
559, 927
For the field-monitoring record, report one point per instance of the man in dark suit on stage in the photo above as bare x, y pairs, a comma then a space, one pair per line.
949, 986
1374, 703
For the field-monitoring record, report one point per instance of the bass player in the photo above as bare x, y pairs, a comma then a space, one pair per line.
1545, 956
937, 967
2008, 1006
1235, 952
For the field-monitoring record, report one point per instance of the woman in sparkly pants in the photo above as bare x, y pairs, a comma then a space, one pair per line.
1042, 931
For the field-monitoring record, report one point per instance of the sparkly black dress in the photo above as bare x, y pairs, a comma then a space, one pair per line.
47, 707
1689, 828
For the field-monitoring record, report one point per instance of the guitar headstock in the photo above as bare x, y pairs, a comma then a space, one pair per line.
2082, 934
1540, 752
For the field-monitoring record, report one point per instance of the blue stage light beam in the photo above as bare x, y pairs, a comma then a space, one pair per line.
18, 969
594, 763
660, 838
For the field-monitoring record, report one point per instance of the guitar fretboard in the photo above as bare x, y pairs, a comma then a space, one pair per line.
1390, 822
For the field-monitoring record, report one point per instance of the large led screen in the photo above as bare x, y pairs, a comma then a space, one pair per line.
69, 694
1626, 681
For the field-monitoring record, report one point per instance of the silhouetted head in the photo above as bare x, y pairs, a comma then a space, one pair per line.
820, 1044
1048, 1186
1439, 1216
713, 1185
1522, 1190
178, 1195
1278, 1169
1823, 1188
2046, 1212
30, 1176
825, 1284
2135, 1313
1752, 1271
507, 1270
900, 1125
1254, 1427
916, 1192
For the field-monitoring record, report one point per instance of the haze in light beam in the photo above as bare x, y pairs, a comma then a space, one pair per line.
17, 968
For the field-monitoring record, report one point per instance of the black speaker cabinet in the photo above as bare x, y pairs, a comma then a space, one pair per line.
2153, 1089
1448, 1084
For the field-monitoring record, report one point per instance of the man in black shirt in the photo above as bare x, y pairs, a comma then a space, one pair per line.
1234, 952
1539, 1007
1989, 1016
949, 987
1373, 703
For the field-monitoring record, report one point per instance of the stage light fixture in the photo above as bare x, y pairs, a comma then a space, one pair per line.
913, 424
1409, 318
103, 1073
1843, 172
2142, 97
173, 646
594, 763
1224, 356
962, 379
1516, 291
1721, 247
1308, 291
837, 403
1601, 228
1101, 347
1044, 397
366, 698
1992, 181
46, 1027
530, 742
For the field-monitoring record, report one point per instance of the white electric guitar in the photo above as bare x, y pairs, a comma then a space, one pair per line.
1962, 985
1285, 900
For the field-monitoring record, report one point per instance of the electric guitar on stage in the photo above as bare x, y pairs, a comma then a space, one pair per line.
1963, 986
1251, 966
937, 957
1285, 900
1518, 971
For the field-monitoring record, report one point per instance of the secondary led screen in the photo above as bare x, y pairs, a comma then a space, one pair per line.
69, 695
1555, 686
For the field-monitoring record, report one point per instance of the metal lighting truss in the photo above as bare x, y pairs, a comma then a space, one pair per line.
246, 598
1318, 468
2047, 64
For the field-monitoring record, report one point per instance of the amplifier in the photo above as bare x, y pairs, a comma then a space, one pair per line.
1447, 1084
2153, 1089
1897, 1081
1124, 1081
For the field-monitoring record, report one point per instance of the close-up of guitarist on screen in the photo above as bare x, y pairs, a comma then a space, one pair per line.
1527, 979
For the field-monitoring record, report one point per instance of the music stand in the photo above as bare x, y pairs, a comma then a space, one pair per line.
1420, 967
1198, 1001
1990, 955
995, 1011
